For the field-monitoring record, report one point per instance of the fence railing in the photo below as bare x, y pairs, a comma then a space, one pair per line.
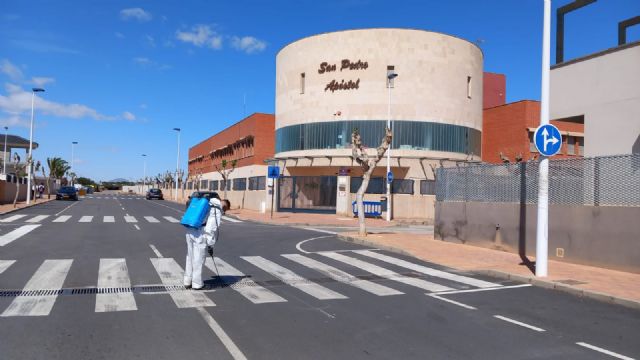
597, 181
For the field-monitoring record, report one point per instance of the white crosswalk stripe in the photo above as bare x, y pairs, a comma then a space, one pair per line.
12, 218
343, 277
427, 270
292, 279
4, 265
50, 276
62, 218
151, 219
17, 233
130, 219
171, 275
231, 219
245, 286
171, 219
108, 219
113, 273
85, 219
37, 218
388, 274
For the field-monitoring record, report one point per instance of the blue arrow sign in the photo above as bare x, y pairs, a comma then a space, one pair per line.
389, 177
274, 172
547, 139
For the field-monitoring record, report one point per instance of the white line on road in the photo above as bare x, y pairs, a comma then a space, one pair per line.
299, 245
113, 273
62, 218
12, 218
4, 265
518, 323
171, 219
137, 227
151, 219
155, 250
452, 302
49, 276
484, 289
604, 351
171, 275
85, 219
16, 234
231, 219
130, 219
37, 218
65, 209
109, 219
222, 335
320, 230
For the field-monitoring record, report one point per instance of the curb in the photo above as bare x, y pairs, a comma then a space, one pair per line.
25, 207
547, 284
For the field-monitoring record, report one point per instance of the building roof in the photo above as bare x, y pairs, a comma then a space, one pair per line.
16, 142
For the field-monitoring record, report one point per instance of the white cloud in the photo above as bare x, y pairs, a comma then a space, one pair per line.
12, 71
143, 106
119, 35
248, 44
41, 81
136, 14
201, 35
150, 40
14, 121
146, 62
128, 116
142, 60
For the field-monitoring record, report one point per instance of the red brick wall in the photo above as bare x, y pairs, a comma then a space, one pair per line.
261, 126
494, 90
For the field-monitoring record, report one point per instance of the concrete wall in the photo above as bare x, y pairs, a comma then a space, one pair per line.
591, 235
604, 88
8, 190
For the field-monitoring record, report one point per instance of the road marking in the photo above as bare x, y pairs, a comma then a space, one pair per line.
222, 335
85, 219
242, 284
343, 277
171, 219
130, 219
50, 276
12, 218
4, 265
37, 218
137, 227
387, 274
65, 209
171, 275
16, 234
62, 218
299, 245
427, 270
155, 250
435, 296
604, 351
320, 230
231, 219
113, 273
292, 279
109, 219
485, 289
518, 323
122, 208
151, 219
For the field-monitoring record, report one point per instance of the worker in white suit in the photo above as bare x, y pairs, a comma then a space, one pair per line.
200, 241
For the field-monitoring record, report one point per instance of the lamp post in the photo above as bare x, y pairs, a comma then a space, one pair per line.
390, 77
30, 155
72, 145
144, 174
4, 154
177, 163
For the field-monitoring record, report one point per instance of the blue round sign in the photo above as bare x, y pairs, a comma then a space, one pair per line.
389, 177
547, 139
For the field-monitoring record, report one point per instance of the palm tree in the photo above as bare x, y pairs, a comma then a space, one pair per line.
57, 168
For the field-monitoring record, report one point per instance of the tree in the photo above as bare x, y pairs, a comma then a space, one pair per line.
84, 181
57, 169
72, 175
34, 169
224, 172
368, 164
20, 172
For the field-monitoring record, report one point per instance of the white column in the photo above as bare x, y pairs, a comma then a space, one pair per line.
389, 154
178, 165
33, 96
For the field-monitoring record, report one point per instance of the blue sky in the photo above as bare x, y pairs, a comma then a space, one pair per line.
119, 75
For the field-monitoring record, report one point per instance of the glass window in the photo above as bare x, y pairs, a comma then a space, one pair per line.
240, 184
189, 185
571, 145
204, 184
427, 187
302, 83
376, 185
213, 185
402, 186
469, 87
581, 147
257, 183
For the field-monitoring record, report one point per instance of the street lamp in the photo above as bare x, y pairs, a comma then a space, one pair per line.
390, 77
4, 154
144, 176
72, 145
177, 162
29, 156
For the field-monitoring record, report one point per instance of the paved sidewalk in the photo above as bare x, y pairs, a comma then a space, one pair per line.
8, 208
307, 219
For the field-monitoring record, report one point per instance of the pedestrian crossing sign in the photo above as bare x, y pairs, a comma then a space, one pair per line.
274, 172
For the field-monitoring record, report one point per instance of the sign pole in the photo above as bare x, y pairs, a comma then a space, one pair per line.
542, 230
273, 191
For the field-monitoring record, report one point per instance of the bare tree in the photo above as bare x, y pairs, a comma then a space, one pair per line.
224, 172
20, 172
368, 164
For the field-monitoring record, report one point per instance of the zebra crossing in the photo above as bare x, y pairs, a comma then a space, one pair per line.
88, 219
114, 292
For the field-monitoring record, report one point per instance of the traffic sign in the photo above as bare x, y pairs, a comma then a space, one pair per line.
547, 139
274, 172
389, 177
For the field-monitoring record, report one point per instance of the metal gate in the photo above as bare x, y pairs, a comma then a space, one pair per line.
307, 193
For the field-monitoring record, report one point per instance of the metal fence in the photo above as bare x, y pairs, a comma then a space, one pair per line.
597, 181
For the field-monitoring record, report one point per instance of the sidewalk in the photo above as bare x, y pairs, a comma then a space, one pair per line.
593, 282
8, 208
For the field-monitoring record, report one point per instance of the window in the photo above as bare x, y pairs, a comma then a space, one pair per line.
532, 144
571, 145
189, 185
402, 186
427, 187
213, 185
581, 147
257, 183
302, 76
390, 70
376, 185
226, 185
469, 87
240, 184
204, 184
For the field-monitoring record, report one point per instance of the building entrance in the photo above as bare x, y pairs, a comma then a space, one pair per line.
307, 194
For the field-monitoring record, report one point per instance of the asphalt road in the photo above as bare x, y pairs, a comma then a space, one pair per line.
87, 282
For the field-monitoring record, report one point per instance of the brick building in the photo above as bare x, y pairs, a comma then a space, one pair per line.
508, 130
494, 89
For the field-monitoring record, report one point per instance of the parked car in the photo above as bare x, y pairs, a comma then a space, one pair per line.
67, 192
154, 194
199, 194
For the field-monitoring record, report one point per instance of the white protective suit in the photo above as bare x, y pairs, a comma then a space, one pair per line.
197, 241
